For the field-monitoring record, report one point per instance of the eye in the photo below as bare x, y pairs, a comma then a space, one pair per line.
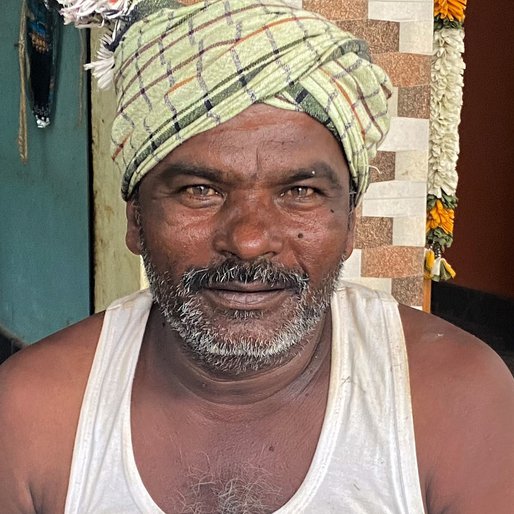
299, 192
200, 190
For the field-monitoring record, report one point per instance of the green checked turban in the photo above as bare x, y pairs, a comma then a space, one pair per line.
181, 70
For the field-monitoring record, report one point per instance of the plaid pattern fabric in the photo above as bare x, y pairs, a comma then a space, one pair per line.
182, 70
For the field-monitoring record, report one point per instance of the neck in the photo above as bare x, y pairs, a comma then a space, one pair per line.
164, 359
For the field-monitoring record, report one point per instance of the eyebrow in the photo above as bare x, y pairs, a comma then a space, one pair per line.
182, 168
321, 170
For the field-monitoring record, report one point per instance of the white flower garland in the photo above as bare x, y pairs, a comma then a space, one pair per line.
445, 110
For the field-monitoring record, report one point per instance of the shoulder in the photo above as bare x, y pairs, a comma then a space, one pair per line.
463, 404
41, 389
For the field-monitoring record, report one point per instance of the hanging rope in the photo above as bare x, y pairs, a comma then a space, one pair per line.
22, 60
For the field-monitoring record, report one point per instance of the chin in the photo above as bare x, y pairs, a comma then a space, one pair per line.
238, 342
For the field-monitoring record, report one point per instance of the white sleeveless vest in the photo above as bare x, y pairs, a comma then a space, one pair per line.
365, 460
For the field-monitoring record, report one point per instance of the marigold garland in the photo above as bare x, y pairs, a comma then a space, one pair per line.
445, 109
450, 9
440, 216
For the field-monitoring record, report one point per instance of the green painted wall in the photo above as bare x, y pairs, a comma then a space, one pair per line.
44, 205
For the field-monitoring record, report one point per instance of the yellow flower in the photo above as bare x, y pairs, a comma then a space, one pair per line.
429, 262
439, 216
450, 9
429, 258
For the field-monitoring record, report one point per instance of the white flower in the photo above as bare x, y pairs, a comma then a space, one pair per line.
87, 13
103, 67
91, 13
445, 109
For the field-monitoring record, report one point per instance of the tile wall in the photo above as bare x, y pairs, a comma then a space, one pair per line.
390, 234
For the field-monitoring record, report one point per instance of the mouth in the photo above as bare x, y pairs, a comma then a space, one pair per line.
246, 296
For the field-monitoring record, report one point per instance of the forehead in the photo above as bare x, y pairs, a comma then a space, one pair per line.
261, 141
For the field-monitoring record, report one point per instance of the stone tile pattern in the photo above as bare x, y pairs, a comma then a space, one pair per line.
339, 9
383, 167
399, 33
372, 232
405, 70
414, 102
391, 261
408, 290
382, 36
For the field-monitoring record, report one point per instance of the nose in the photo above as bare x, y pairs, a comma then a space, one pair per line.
249, 229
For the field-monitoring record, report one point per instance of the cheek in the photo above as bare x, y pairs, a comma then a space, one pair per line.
176, 241
319, 245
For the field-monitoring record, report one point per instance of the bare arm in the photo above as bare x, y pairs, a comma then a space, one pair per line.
463, 401
15, 496
475, 465
41, 391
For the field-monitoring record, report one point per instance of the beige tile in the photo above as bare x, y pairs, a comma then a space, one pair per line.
412, 165
395, 198
409, 230
396, 190
416, 37
339, 9
352, 265
391, 207
401, 10
393, 103
392, 262
406, 134
379, 284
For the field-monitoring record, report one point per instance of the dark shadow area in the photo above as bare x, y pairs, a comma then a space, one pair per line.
488, 317
7, 347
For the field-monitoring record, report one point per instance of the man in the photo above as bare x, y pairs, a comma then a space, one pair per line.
249, 380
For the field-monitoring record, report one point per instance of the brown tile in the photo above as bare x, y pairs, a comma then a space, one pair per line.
372, 232
408, 290
405, 70
385, 162
414, 102
392, 261
382, 36
338, 9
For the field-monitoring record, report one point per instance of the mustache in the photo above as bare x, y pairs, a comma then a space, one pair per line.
234, 270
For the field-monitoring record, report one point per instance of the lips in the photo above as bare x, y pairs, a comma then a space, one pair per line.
246, 296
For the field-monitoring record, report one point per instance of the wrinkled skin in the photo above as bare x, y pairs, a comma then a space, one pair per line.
254, 190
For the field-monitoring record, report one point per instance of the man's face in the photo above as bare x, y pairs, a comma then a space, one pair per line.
243, 230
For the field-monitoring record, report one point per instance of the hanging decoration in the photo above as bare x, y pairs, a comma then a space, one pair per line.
445, 110
37, 54
42, 51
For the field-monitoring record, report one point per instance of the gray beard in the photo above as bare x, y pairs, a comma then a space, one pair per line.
231, 349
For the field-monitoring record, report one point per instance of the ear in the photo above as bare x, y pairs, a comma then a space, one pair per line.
132, 235
350, 237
